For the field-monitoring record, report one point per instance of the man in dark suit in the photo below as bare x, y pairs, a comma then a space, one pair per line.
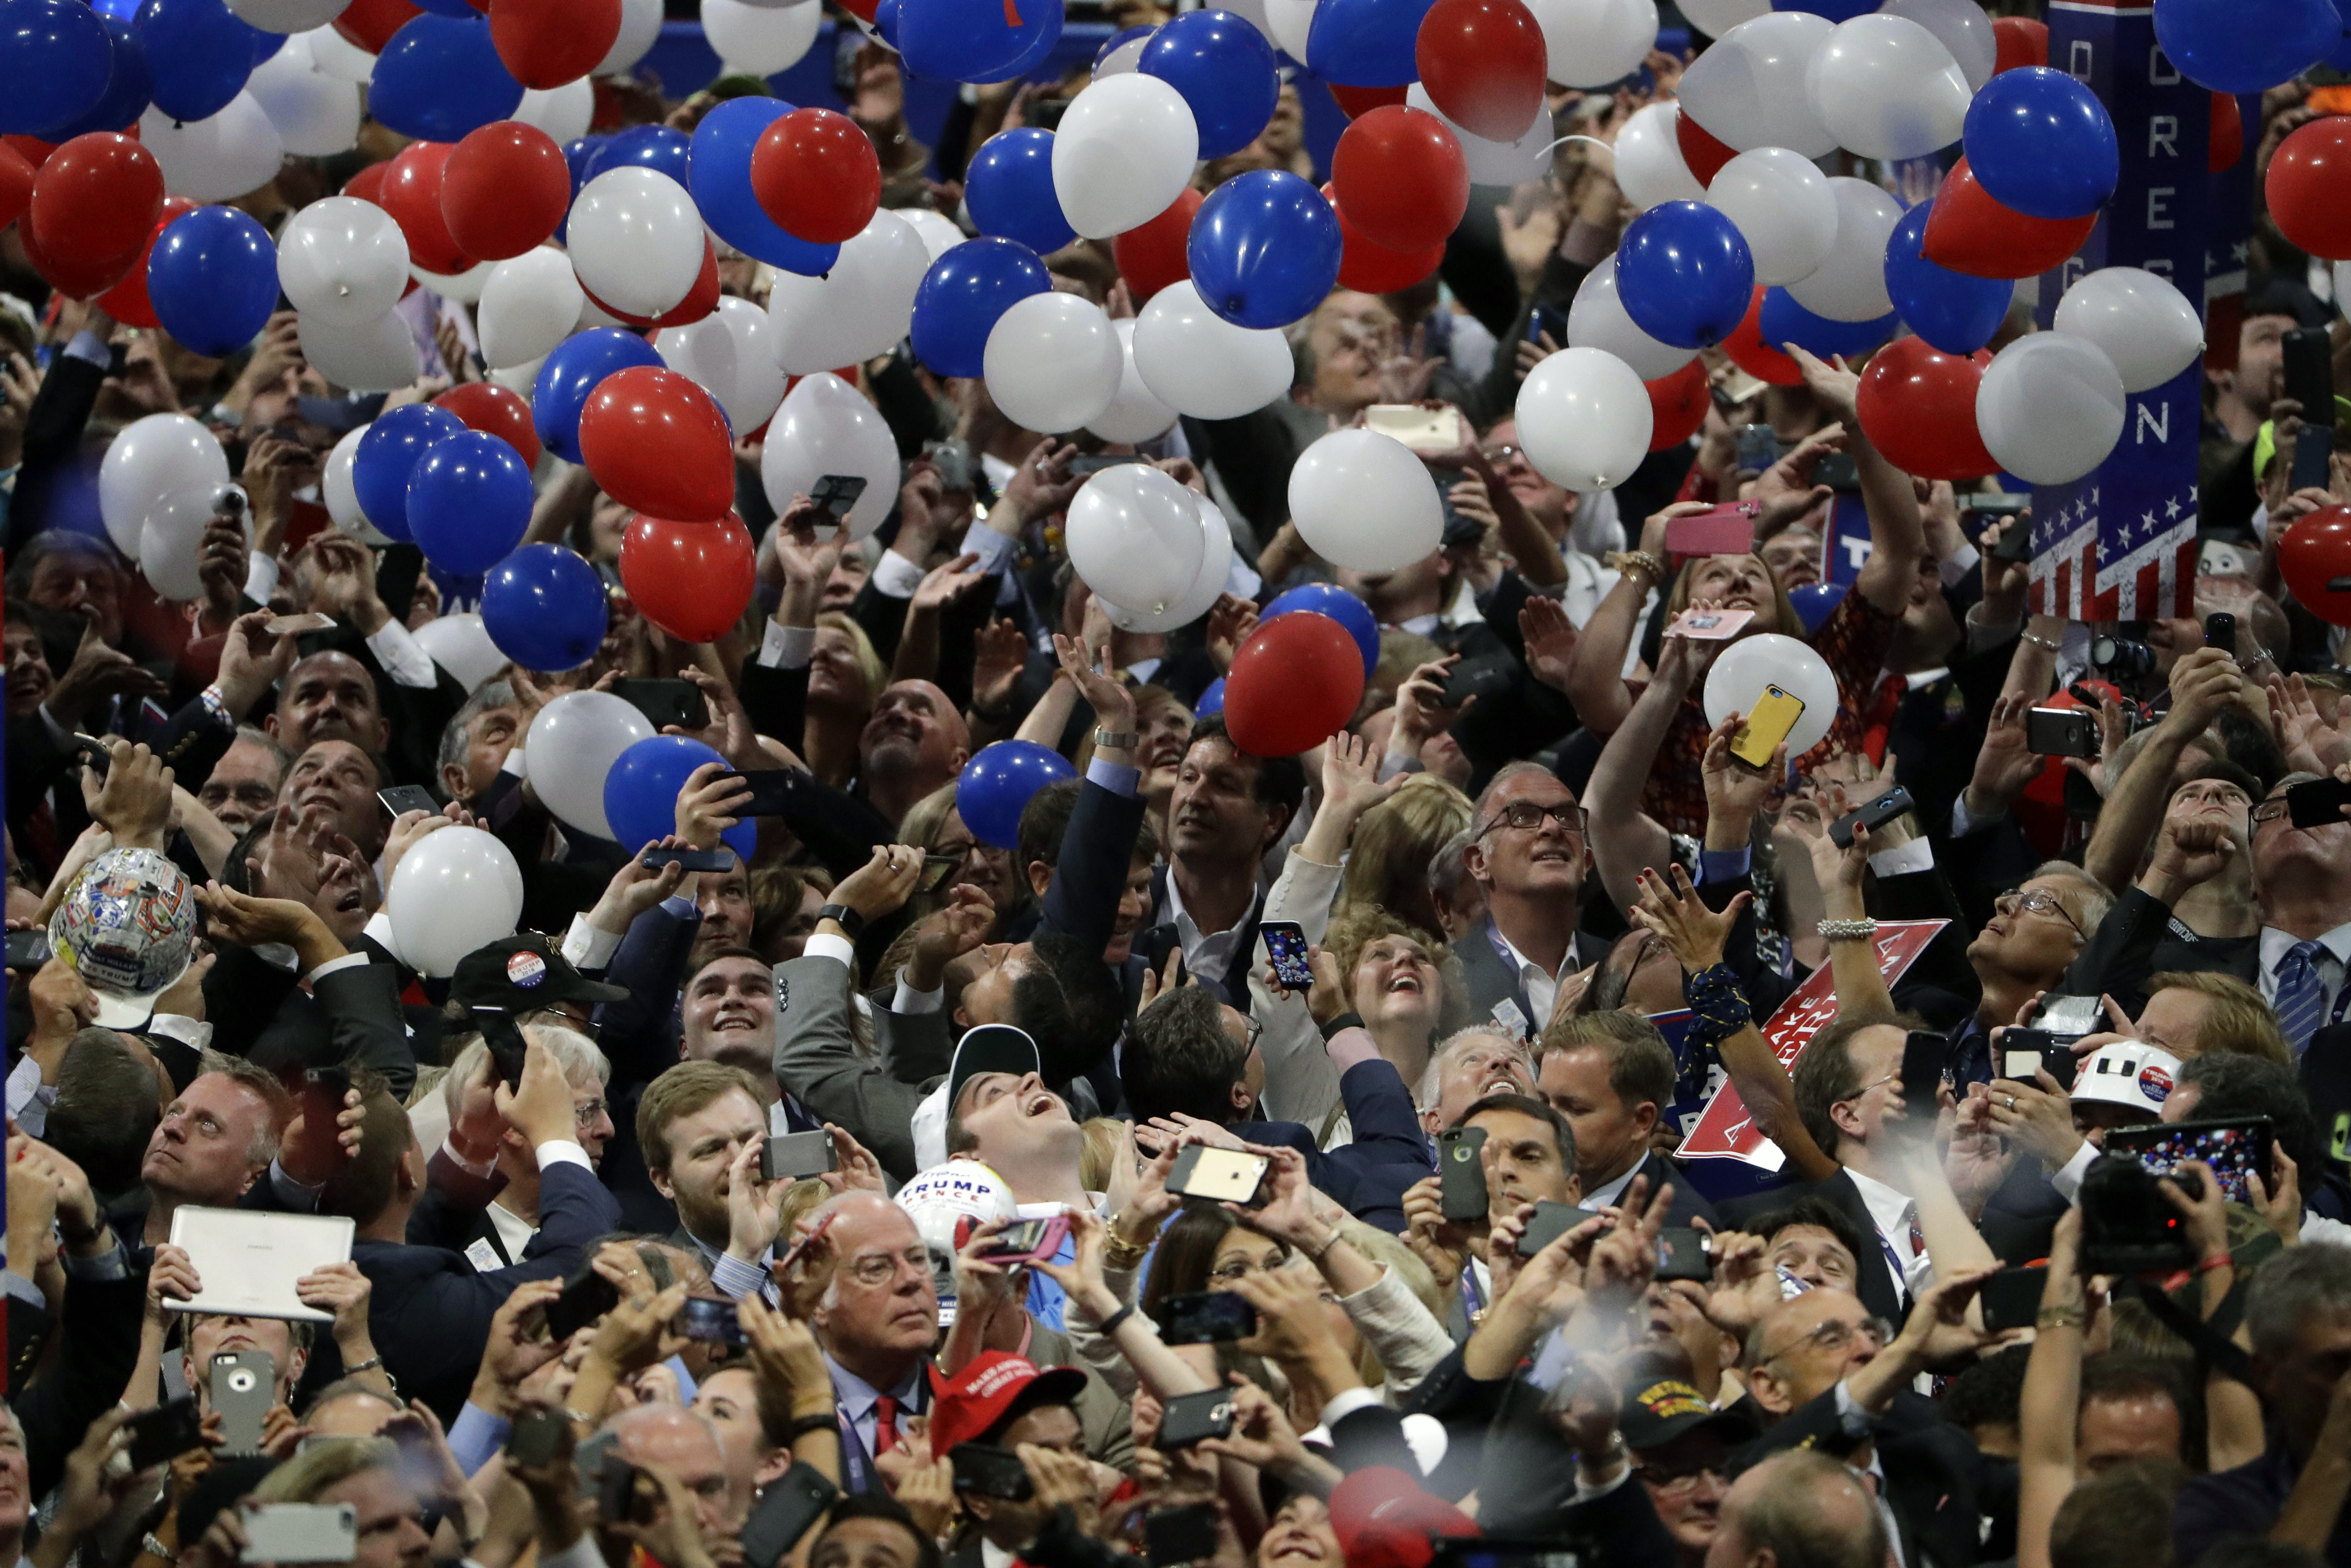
1611, 1074
1527, 853
1228, 811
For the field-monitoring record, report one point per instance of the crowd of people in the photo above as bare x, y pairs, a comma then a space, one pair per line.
601, 1299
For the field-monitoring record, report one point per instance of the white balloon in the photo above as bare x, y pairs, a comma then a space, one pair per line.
938, 232
464, 288
1736, 680
573, 744
1135, 414
529, 303
825, 427
563, 112
1886, 88
1216, 565
1596, 319
731, 355
2142, 321
1135, 536
1748, 90
342, 497
1367, 501
378, 355
1052, 362
1127, 57
641, 23
1196, 362
316, 115
1964, 29
1850, 286
455, 889
857, 310
1290, 21
760, 39
236, 151
287, 15
151, 458
461, 645
2050, 407
342, 259
1584, 419
1496, 163
1590, 43
635, 240
339, 57
1716, 18
1783, 207
1649, 166
519, 378
1123, 153
172, 538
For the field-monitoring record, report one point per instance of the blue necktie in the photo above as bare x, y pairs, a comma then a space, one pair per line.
2301, 996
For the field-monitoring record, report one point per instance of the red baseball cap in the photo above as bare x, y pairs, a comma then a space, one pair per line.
996, 1386
1383, 1519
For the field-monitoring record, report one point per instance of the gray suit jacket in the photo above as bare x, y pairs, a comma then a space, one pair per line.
819, 1062
1107, 1419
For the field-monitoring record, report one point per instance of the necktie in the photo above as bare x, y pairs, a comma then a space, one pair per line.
885, 1424
1885, 704
2301, 995
1917, 1236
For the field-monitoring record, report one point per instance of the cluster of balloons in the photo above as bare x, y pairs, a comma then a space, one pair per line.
161, 481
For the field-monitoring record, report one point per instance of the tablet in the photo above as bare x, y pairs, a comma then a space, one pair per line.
249, 1259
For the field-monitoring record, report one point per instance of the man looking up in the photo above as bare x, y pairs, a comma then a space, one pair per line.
1526, 854
1228, 811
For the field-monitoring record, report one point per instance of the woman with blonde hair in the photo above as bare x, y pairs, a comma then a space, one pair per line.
845, 679
1388, 858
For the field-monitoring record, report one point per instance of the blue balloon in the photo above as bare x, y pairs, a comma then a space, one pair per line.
641, 791
1834, 10
1225, 69
1814, 600
1955, 313
198, 53
657, 147
1684, 275
885, 22
458, 9
126, 97
1046, 41
569, 374
996, 785
1366, 42
468, 502
2230, 47
266, 45
2042, 142
964, 293
56, 58
388, 454
1328, 599
719, 176
440, 78
544, 607
1212, 699
213, 280
975, 40
1009, 188
1782, 321
1264, 249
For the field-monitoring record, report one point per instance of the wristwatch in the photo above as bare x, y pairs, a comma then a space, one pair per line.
848, 919
1114, 739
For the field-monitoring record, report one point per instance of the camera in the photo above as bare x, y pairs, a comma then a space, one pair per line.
241, 1380
2121, 656
2128, 1226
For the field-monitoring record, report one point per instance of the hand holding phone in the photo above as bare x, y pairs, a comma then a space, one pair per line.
1286, 945
1763, 730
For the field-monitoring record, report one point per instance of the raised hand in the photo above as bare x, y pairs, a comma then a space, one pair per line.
1549, 640
1675, 912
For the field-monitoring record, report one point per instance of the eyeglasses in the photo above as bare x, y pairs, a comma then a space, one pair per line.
1501, 456
1836, 1335
2036, 901
877, 1269
588, 1115
1240, 1268
1678, 1478
1527, 816
2270, 810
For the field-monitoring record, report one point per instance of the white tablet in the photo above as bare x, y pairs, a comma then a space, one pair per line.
249, 1259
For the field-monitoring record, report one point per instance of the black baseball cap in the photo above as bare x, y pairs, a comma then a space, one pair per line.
990, 1048
521, 972
1669, 1409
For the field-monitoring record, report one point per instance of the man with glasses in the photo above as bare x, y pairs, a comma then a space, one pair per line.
2037, 929
876, 1323
1527, 853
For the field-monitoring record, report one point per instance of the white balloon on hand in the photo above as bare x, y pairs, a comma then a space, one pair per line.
731, 355
2050, 407
1052, 363
1748, 90
1584, 419
342, 259
1365, 501
1123, 152
1135, 536
1590, 43
461, 645
1196, 362
760, 39
636, 239
148, 460
1850, 286
1136, 413
2141, 321
375, 355
1784, 208
857, 310
528, 304
1596, 319
1649, 166
1886, 88
825, 427
1216, 566
456, 889
573, 744
1735, 683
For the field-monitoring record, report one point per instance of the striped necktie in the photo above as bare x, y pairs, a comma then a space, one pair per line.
2301, 997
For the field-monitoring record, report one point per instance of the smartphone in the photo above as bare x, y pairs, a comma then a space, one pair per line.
719, 859
1095, 462
1758, 449
665, 702
1731, 387
1685, 1253
990, 1471
1836, 470
404, 797
323, 1089
164, 1433
1206, 1317
93, 753
1461, 1173
2309, 363
837, 493
1546, 320
952, 459
539, 1436
1046, 113
711, 1318
787, 1509
2062, 731
243, 1388
2060, 1013
771, 792
937, 871
396, 571
2012, 1298
2024, 1052
2235, 1150
1285, 944
2015, 545
1226, 1176
1487, 678
1709, 625
1427, 431
299, 626
1191, 1416
1726, 531
616, 1488
2314, 458
1551, 1221
29, 949
1776, 713
1174, 1536
504, 1038
2221, 630
1875, 815
300, 1533
1924, 1055
584, 1300
797, 1155
2318, 803
1026, 1240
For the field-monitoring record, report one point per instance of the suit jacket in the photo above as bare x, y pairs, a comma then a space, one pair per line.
1106, 1420
1090, 869
1936, 1481
1161, 939
819, 1063
1499, 1446
1688, 1204
1490, 981
100, 1343
1388, 1154
1880, 1291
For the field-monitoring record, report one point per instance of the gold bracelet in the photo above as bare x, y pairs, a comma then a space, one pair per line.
1119, 1252
1625, 560
2059, 1318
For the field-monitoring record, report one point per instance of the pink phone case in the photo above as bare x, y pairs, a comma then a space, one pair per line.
1055, 1229
1719, 532
1709, 625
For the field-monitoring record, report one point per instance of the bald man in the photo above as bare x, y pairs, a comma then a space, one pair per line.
914, 742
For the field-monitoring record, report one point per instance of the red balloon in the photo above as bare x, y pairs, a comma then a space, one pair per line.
1369, 268
2309, 179
16, 184
1482, 63
1153, 255
127, 301
1294, 683
2314, 550
370, 23
691, 579
862, 10
814, 173
1678, 406
95, 204
367, 184
2228, 142
31, 149
1702, 152
546, 43
495, 410
1970, 231
1401, 176
504, 189
1357, 101
658, 444
411, 194
2018, 41
699, 303
1751, 354
1918, 407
